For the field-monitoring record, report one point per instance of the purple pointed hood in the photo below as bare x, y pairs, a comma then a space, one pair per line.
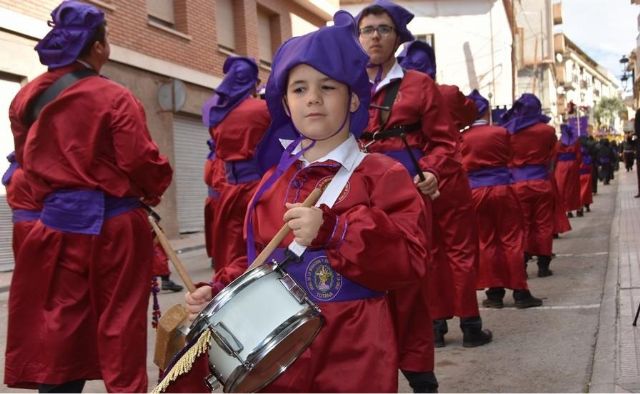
73, 26
526, 111
400, 16
240, 79
333, 51
568, 135
419, 56
482, 104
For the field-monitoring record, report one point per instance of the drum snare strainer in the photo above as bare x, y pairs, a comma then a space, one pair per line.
259, 326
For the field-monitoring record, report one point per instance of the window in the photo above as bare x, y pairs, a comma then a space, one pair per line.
428, 38
265, 46
224, 25
161, 12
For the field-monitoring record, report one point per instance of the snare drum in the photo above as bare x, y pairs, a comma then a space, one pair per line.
260, 324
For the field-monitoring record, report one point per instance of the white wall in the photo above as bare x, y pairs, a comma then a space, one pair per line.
472, 43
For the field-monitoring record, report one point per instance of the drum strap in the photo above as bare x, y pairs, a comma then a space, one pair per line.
331, 194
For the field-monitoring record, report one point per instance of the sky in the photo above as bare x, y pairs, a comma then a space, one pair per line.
604, 29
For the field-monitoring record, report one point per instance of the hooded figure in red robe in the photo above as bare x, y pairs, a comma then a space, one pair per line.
486, 155
89, 160
532, 146
237, 121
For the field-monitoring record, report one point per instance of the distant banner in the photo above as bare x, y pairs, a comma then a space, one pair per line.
584, 123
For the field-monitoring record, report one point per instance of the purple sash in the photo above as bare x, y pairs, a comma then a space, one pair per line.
13, 166
604, 160
403, 157
320, 281
585, 170
567, 156
83, 211
489, 177
212, 149
242, 171
213, 193
529, 173
24, 215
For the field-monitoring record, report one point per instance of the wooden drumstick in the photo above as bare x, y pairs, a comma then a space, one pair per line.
164, 242
284, 230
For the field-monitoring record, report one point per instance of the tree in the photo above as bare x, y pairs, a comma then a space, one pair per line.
606, 111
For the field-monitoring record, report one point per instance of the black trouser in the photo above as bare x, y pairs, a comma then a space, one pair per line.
74, 386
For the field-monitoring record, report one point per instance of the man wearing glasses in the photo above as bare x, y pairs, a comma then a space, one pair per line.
409, 122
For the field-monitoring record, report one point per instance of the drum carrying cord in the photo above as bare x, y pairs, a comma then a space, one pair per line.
185, 361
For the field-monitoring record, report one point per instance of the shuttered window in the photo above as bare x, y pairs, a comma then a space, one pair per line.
190, 147
225, 28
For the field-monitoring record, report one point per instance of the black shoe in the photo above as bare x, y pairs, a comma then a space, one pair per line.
422, 382
569, 214
580, 213
440, 328
588, 208
474, 337
543, 266
171, 286
543, 273
524, 299
556, 236
495, 304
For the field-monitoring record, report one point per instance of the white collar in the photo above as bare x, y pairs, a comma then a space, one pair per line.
396, 72
480, 122
346, 153
87, 65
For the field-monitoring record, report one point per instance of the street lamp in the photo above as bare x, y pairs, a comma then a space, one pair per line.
627, 73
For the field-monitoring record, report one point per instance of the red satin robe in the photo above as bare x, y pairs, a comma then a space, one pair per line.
213, 170
586, 193
560, 221
236, 138
534, 145
383, 248
452, 284
418, 100
19, 197
500, 224
86, 317
568, 176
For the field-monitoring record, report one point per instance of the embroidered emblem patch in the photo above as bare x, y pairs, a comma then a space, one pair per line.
322, 282
324, 181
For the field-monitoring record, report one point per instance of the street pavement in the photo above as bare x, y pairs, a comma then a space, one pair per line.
581, 340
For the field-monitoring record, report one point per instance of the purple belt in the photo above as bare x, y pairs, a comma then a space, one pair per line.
242, 171
213, 193
13, 166
212, 149
603, 160
321, 282
403, 157
567, 156
489, 177
24, 215
585, 170
529, 173
83, 211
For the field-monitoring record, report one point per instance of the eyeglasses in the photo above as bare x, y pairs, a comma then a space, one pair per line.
383, 30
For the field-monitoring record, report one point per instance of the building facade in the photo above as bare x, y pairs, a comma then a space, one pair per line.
581, 81
472, 40
170, 54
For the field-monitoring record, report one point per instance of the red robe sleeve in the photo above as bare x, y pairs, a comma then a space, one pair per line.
442, 139
136, 154
382, 245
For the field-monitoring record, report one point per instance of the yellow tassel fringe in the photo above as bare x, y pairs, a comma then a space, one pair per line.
186, 362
